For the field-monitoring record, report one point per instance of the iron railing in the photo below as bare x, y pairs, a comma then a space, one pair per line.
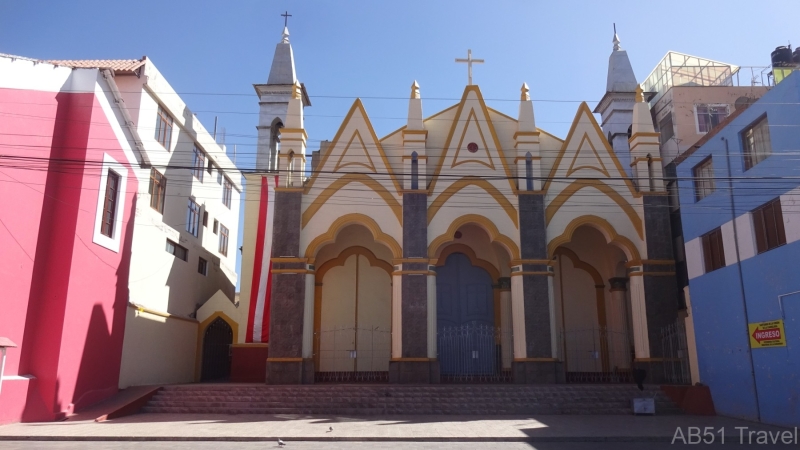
675, 351
596, 355
350, 354
472, 353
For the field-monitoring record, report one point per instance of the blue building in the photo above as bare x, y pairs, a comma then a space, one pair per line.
739, 191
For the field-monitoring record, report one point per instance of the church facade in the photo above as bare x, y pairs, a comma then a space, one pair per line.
466, 245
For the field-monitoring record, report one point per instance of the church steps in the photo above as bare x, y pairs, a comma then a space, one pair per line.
402, 399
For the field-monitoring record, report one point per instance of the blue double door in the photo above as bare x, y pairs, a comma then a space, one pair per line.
466, 336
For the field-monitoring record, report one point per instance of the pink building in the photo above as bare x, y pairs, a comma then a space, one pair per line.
67, 196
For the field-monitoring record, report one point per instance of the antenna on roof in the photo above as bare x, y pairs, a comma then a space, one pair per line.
215, 128
234, 154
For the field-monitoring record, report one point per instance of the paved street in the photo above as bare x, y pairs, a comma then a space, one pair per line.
359, 445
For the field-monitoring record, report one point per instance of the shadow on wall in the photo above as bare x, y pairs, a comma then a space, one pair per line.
64, 284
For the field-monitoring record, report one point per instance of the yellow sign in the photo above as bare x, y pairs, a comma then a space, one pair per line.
767, 334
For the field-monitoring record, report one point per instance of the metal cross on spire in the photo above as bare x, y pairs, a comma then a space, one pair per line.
286, 16
469, 61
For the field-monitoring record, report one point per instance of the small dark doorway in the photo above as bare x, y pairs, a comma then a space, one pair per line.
217, 341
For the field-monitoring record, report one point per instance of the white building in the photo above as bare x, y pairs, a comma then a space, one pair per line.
185, 231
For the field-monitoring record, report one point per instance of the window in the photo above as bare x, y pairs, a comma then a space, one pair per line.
110, 204
202, 267
227, 191
179, 251
164, 128
768, 226
198, 163
529, 171
666, 128
756, 143
709, 116
193, 218
216, 226
158, 190
713, 253
219, 176
210, 167
205, 218
223, 240
414, 171
703, 179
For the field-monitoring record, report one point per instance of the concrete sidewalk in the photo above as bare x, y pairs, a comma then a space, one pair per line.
562, 428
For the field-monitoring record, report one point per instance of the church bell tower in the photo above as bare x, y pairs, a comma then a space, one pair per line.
275, 104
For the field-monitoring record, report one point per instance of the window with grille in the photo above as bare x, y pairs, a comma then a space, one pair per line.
666, 129
193, 218
198, 163
202, 267
703, 179
227, 191
179, 251
216, 226
158, 190
713, 251
756, 143
110, 204
709, 116
223, 240
164, 128
768, 226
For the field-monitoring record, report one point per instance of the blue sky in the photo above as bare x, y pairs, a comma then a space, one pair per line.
213, 52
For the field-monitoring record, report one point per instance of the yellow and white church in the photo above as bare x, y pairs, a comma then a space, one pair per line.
468, 245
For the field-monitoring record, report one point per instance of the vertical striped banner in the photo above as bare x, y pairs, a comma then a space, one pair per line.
261, 289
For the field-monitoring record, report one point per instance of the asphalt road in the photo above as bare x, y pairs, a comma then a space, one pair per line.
29, 445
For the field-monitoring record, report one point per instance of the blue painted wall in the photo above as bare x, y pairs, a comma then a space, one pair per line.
770, 386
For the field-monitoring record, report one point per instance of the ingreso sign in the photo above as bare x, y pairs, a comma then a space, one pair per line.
767, 334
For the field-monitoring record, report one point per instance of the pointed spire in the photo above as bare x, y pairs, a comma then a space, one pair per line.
642, 120
620, 73
415, 109
282, 70
415, 90
525, 119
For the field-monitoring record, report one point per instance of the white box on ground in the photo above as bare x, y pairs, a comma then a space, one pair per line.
644, 406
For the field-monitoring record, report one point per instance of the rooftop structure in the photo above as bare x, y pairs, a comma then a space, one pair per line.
679, 69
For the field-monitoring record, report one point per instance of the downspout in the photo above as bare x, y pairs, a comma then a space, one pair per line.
141, 155
741, 275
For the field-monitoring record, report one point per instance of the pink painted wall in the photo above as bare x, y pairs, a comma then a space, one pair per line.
63, 298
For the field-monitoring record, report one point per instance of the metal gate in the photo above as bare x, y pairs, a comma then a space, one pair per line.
217, 340
596, 355
674, 349
472, 353
349, 354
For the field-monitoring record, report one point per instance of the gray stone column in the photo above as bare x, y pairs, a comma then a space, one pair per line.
414, 366
659, 281
539, 365
285, 364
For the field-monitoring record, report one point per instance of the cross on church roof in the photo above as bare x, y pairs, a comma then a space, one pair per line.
286, 16
469, 61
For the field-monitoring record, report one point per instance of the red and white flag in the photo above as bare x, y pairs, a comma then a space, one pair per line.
261, 290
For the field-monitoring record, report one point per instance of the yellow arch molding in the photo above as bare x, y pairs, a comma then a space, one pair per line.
343, 181
577, 185
201, 329
602, 225
451, 190
486, 224
354, 218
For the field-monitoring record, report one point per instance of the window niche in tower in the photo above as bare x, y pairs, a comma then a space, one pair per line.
414, 171
290, 171
274, 144
528, 171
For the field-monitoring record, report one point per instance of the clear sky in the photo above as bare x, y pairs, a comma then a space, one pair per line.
212, 52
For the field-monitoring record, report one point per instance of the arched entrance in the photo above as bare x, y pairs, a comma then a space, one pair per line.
473, 336
592, 308
217, 341
353, 310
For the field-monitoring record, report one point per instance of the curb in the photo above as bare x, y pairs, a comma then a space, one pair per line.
643, 439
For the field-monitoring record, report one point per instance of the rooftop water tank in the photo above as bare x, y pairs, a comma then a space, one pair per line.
782, 56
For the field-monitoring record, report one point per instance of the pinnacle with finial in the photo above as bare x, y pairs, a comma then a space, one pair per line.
285, 37
415, 90
616, 39
525, 93
639, 98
